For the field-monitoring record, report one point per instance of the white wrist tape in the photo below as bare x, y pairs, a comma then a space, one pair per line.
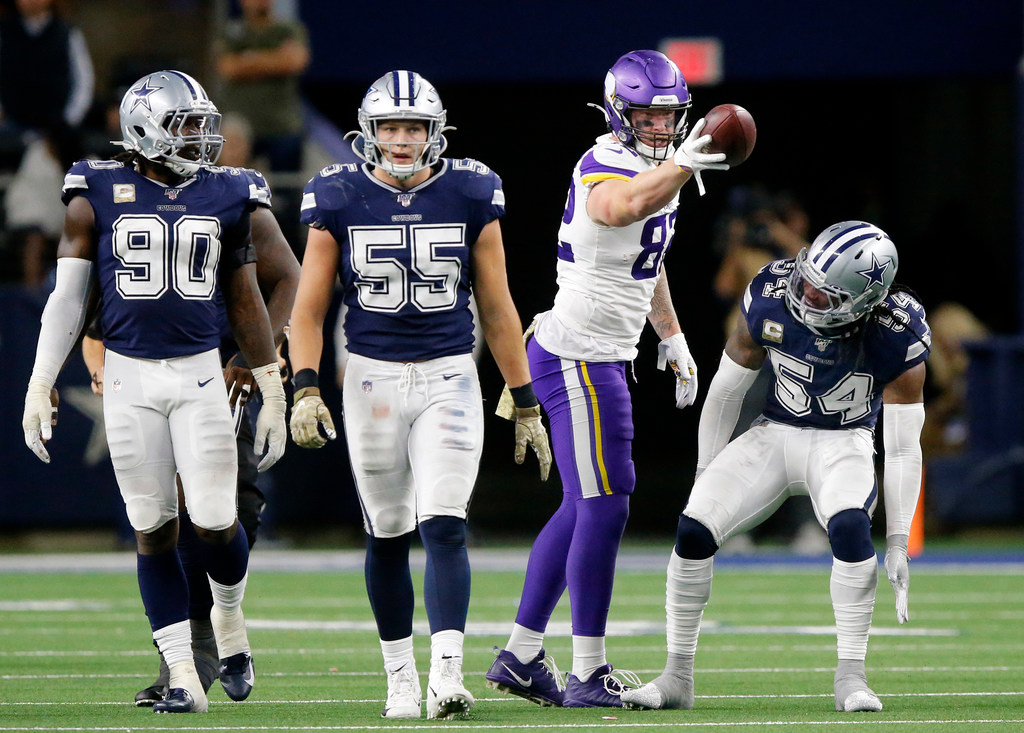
901, 433
268, 378
63, 318
722, 409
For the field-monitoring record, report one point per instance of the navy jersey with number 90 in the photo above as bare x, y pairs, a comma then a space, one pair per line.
160, 251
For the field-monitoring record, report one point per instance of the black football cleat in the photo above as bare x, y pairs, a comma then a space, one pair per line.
180, 700
152, 694
237, 675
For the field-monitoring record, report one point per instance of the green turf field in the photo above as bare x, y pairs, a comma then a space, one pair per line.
75, 647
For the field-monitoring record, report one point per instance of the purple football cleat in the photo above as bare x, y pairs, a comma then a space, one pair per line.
538, 680
602, 690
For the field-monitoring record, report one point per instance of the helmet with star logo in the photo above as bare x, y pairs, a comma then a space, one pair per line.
168, 118
842, 276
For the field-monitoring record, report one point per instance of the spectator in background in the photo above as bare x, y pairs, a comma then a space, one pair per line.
945, 432
238, 141
260, 59
46, 75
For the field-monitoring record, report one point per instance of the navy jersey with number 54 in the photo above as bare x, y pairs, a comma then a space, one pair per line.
160, 250
829, 383
403, 254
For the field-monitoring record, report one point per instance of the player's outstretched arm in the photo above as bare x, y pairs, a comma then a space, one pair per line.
503, 332
902, 421
251, 327
62, 321
311, 421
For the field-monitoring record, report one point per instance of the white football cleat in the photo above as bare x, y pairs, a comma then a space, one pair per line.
404, 696
447, 697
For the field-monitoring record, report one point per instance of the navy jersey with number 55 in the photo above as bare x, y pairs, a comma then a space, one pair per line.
160, 251
829, 383
403, 254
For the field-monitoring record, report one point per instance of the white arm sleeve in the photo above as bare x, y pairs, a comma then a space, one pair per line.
721, 409
63, 318
901, 426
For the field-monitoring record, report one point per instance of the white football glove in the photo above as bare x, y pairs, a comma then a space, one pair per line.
899, 573
674, 352
38, 418
691, 155
308, 413
530, 431
271, 430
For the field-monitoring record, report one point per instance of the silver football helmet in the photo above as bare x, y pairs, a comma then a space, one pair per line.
168, 118
852, 265
401, 95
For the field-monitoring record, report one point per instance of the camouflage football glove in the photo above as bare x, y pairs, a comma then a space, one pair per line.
530, 432
309, 413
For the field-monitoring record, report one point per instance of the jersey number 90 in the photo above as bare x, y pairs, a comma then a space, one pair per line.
142, 243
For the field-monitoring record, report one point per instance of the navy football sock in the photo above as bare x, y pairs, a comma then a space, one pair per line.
446, 580
200, 599
226, 564
389, 585
545, 570
163, 587
590, 570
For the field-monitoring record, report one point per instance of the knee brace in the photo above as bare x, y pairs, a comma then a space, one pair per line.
694, 541
849, 533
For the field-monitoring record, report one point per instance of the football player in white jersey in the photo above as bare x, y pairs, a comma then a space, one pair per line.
841, 340
165, 235
617, 228
411, 235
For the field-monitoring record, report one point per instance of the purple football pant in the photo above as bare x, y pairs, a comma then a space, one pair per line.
591, 417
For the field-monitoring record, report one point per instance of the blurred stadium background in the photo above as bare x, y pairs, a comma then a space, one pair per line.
904, 113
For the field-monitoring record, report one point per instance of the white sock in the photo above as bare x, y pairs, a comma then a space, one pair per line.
447, 643
397, 653
587, 655
175, 642
525, 643
228, 596
687, 592
853, 587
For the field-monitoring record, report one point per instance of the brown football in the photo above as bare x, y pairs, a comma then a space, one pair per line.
732, 132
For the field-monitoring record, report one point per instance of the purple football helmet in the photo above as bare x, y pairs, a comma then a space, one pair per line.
645, 80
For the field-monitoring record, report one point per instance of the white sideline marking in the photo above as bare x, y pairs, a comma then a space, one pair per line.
508, 698
543, 726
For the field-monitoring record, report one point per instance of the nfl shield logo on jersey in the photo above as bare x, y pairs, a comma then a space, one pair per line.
172, 193
367, 386
406, 198
822, 344
117, 385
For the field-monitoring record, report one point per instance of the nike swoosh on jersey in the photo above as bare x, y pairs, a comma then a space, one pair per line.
524, 682
446, 377
202, 384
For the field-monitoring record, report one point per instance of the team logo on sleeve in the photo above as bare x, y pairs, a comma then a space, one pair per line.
771, 331
124, 193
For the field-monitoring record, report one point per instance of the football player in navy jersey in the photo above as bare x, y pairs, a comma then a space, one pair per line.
411, 234
164, 235
842, 341
277, 272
